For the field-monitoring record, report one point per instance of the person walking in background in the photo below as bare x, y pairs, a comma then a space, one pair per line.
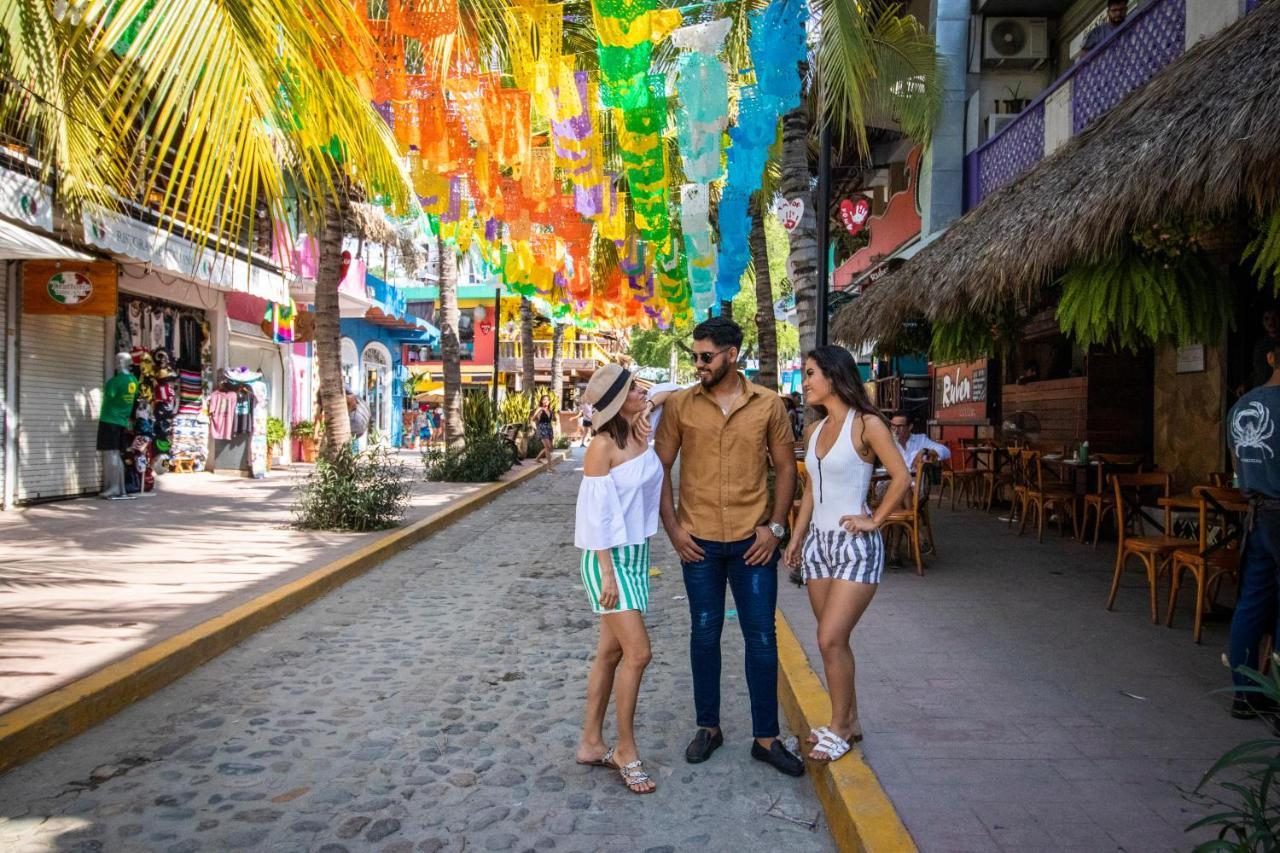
617, 513
541, 420
1255, 444
725, 431
836, 542
795, 416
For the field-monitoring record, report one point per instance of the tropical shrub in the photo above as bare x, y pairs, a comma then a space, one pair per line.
353, 491
479, 416
516, 409
483, 459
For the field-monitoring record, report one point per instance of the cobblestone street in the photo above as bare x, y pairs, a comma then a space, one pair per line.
430, 705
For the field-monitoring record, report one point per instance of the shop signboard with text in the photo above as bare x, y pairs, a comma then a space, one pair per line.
69, 287
171, 253
960, 391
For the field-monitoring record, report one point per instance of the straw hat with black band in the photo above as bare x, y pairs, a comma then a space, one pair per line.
607, 390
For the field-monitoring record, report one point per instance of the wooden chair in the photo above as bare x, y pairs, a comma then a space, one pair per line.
995, 481
1018, 476
1220, 479
927, 460
963, 481
911, 520
1102, 502
1206, 566
1154, 552
1042, 496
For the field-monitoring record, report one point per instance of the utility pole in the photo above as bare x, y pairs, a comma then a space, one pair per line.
823, 224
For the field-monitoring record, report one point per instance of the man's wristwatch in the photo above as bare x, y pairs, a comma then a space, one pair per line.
777, 530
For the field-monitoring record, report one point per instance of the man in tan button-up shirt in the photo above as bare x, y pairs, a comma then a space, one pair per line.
726, 431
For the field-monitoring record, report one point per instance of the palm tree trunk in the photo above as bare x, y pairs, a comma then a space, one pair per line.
529, 370
557, 378
766, 325
328, 345
449, 347
803, 260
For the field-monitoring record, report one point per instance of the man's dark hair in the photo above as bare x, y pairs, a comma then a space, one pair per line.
1124, 3
721, 331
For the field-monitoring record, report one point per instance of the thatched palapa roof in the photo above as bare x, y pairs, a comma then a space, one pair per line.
1200, 139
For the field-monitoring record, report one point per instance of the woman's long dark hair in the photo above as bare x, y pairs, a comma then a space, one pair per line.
619, 429
837, 364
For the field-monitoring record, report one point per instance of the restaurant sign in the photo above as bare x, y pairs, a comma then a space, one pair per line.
960, 391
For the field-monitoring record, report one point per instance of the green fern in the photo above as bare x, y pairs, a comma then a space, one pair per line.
1132, 301
1265, 248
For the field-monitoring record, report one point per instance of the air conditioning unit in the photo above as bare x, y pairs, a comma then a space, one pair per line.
997, 121
1015, 42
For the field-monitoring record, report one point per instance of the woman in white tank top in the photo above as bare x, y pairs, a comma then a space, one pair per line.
836, 541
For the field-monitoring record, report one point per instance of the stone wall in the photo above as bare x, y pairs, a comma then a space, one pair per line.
1189, 407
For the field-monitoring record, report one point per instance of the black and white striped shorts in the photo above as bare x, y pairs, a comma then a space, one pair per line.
841, 555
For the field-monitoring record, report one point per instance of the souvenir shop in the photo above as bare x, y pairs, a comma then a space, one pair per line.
171, 348
58, 328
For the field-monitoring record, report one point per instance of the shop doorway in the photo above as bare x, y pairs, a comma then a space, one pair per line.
350, 365
376, 390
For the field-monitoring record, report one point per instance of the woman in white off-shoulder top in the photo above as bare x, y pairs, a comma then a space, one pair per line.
617, 513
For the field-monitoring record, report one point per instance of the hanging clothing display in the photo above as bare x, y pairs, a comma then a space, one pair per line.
171, 349
238, 421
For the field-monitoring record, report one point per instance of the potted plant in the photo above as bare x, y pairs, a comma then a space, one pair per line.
275, 438
304, 433
1015, 103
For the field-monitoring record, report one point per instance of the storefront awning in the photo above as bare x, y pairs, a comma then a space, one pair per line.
17, 243
414, 329
168, 252
1200, 140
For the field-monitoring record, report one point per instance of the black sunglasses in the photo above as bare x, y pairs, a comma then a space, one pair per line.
708, 357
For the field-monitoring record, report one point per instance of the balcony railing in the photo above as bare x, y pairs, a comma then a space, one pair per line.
1149, 40
590, 351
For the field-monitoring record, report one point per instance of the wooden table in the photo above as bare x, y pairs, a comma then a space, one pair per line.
1189, 501
988, 453
1070, 468
1234, 505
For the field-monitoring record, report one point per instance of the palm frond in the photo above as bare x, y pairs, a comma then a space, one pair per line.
876, 64
232, 90
50, 102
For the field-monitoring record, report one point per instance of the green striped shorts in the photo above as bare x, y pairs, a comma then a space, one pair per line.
631, 565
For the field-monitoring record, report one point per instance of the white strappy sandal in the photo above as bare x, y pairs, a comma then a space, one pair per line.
830, 744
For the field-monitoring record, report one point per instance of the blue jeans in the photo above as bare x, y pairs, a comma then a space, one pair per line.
1256, 605
755, 594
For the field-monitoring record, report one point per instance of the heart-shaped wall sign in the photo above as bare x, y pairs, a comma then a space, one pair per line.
789, 212
854, 214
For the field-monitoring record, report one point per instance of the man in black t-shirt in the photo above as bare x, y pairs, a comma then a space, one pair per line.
1255, 445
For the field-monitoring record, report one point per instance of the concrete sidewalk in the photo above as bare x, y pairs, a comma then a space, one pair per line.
1005, 709
86, 582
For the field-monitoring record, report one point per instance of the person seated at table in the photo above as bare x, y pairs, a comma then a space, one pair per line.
911, 443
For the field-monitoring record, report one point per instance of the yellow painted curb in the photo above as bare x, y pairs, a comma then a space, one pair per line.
859, 813
47, 721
